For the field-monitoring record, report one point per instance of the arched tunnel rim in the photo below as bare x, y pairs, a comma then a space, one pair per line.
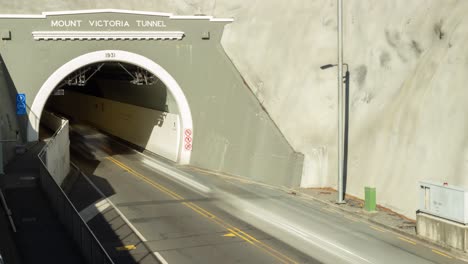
118, 56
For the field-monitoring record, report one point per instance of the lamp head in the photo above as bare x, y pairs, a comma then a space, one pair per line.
326, 66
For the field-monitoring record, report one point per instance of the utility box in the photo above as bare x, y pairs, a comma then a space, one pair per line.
443, 200
369, 199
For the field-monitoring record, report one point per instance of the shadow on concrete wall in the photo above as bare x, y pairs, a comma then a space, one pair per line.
16, 124
346, 131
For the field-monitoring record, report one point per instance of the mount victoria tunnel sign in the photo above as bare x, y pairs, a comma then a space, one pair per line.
108, 23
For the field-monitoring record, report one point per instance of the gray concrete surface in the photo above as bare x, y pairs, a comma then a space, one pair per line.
407, 97
40, 237
8, 250
445, 232
108, 226
9, 121
152, 197
387, 219
355, 206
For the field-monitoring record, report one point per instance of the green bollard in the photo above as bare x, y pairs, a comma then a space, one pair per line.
370, 199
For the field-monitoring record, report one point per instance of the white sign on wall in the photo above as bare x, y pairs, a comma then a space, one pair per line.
76, 23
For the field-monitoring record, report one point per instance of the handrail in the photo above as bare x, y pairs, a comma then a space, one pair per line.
83, 221
8, 211
135, 231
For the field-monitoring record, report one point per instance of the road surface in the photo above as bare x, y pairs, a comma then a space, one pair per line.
188, 215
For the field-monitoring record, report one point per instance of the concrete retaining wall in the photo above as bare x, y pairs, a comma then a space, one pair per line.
9, 121
57, 154
441, 231
153, 130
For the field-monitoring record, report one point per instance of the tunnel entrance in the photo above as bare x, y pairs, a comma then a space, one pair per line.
125, 95
234, 134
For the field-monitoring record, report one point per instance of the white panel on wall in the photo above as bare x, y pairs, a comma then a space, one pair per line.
156, 131
164, 139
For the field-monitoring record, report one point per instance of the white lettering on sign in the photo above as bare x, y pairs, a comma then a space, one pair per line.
109, 23
65, 23
150, 23
109, 55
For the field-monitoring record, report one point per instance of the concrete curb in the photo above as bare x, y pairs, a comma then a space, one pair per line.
456, 253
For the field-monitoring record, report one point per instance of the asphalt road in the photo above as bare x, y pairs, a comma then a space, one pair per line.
190, 216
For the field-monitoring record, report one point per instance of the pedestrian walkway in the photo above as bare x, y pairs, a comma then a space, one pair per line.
40, 237
382, 217
354, 205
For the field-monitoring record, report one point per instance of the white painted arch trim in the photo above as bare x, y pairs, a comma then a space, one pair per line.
108, 35
121, 56
121, 11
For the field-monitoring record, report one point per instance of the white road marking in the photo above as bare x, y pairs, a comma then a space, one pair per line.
132, 227
160, 258
185, 179
94, 209
142, 238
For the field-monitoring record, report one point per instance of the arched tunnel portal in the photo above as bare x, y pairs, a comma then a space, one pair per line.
184, 117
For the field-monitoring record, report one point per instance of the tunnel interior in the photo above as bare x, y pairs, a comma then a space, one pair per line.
120, 82
123, 100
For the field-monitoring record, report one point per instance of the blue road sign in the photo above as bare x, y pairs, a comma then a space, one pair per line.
21, 104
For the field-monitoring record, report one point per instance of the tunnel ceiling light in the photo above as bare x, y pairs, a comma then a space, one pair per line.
141, 76
58, 92
79, 78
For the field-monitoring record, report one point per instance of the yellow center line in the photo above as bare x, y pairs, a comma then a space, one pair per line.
407, 240
378, 229
241, 236
236, 231
441, 253
126, 248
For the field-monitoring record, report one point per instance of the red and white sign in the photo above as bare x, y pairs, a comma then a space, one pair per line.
188, 139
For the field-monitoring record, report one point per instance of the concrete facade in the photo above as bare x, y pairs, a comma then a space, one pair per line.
408, 62
212, 90
444, 232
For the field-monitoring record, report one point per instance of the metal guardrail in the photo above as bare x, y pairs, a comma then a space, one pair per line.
8, 211
90, 247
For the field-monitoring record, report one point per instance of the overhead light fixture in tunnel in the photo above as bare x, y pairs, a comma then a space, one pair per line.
80, 79
141, 76
58, 92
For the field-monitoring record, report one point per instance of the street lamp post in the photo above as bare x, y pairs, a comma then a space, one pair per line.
341, 107
341, 125
340, 101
